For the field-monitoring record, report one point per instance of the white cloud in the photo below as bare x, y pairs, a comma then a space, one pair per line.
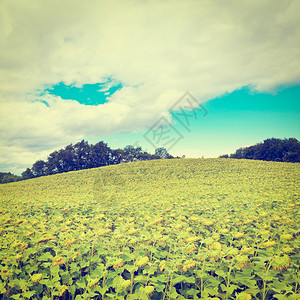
157, 49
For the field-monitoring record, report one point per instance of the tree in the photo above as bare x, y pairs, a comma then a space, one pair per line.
238, 153
53, 165
291, 150
27, 174
84, 156
273, 149
100, 155
66, 159
9, 177
162, 153
130, 153
117, 156
39, 168
82, 152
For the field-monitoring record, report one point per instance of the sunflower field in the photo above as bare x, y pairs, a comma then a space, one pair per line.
165, 229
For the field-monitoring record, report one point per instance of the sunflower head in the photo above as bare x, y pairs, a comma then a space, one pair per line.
93, 282
4, 273
238, 235
224, 231
244, 296
288, 249
247, 250
188, 265
242, 261
269, 244
162, 265
58, 261
194, 219
281, 262
119, 263
70, 242
215, 246
36, 278
286, 236
142, 261
191, 250
207, 222
75, 256
63, 289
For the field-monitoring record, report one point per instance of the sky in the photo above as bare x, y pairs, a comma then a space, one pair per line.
201, 78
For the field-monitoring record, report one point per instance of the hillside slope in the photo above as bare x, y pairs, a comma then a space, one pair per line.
154, 228
192, 178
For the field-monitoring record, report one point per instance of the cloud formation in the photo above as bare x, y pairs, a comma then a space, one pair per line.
157, 49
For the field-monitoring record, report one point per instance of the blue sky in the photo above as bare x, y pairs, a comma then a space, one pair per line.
111, 71
236, 119
241, 118
88, 94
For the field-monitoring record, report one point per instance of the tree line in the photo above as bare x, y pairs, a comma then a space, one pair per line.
84, 156
285, 150
6, 177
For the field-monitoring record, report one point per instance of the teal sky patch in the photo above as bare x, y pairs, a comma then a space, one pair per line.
238, 119
244, 100
88, 94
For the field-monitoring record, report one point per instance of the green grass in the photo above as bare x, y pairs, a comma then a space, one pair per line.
167, 229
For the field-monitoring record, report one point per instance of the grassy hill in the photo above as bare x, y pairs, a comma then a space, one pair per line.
165, 229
